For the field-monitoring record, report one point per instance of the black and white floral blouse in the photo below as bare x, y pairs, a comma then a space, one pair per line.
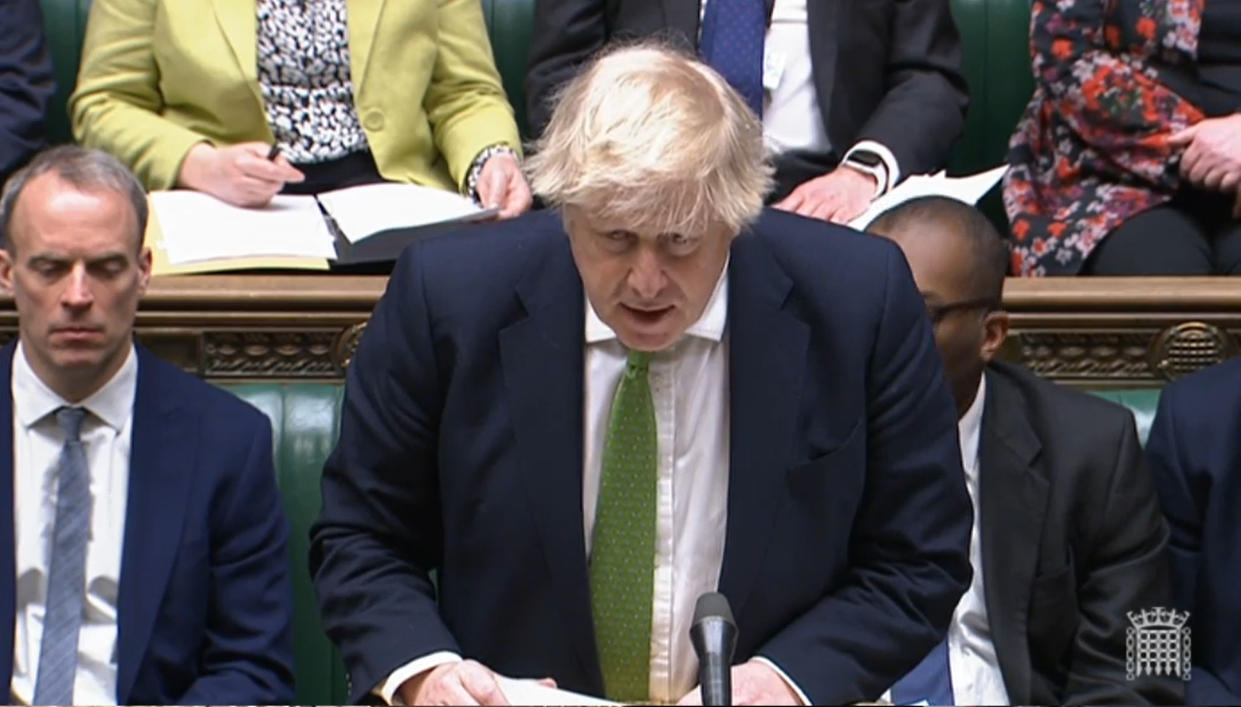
303, 66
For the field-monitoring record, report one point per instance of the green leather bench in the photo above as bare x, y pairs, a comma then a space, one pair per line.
304, 422
304, 426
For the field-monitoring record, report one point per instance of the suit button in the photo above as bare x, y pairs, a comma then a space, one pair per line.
374, 120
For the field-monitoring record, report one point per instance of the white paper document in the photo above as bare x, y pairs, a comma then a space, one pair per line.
968, 189
198, 227
530, 692
363, 211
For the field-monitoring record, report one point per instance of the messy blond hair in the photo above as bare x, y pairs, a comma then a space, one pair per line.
650, 137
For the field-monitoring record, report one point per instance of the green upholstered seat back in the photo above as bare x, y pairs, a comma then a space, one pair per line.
1142, 402
996, 61
304, 419
510, 24
65, 23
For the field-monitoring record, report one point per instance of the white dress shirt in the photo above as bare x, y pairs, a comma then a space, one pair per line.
37, 443
792, 119
689, 390
976, 677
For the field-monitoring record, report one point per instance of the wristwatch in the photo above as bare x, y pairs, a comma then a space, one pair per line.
869, 162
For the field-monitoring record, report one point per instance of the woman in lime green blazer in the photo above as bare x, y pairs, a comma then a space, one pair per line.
195, 93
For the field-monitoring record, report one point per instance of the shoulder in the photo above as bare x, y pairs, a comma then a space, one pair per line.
822, 258
483, 254
214, 408
794, 239
1062, 415
1206, 392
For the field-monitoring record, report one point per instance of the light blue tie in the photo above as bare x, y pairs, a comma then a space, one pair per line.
930, 682
66, 582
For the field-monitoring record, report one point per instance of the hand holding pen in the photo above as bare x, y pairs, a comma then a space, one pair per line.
247, 174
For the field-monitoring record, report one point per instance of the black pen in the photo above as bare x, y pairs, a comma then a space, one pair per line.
273, 153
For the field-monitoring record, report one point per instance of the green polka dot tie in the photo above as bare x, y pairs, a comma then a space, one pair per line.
622, 562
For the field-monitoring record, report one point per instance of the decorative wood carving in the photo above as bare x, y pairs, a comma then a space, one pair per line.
1095, 332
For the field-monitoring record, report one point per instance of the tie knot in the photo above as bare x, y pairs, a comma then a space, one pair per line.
70, 419
639, 362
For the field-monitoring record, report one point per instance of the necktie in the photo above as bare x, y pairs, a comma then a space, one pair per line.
622, 562
732, 43
66, 583
930, 682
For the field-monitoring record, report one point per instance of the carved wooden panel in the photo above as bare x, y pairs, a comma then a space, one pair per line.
1095, 332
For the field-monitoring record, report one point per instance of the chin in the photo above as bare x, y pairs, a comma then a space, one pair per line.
648, 341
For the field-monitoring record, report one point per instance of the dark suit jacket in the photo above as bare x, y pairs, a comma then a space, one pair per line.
1072, 539
461, 450
204, 614
1195, 452
876, 64
26, 83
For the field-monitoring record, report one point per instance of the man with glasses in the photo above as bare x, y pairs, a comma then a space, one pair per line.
1067, 534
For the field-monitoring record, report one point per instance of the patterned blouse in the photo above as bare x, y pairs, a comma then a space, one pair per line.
303, 63
1092, 148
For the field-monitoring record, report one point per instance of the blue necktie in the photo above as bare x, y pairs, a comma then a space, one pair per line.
930, 681
732, 43
66, 579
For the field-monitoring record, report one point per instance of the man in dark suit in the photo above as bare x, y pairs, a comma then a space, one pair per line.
142, 547
583, 433
26, 83
853, 94
1195, 453
1067, 533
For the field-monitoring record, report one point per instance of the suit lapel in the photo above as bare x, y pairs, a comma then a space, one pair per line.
543, 361
1012, 500
160, 472
363, 23
8, 537
821, 17
767, 358
682, 17
239, 22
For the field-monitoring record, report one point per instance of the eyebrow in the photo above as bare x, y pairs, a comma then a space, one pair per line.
98, 260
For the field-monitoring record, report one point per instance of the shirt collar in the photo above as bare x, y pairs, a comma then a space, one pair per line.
969, 427
709, 326
113, 403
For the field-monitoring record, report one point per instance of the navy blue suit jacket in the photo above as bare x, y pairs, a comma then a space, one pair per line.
26, 83
1195, 454
461, 451
204, 612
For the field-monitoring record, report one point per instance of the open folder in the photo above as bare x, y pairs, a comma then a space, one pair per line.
194, 232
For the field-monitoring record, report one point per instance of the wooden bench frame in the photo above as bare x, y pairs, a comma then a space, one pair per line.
1088, 332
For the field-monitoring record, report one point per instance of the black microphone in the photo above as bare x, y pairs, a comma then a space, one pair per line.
714, 635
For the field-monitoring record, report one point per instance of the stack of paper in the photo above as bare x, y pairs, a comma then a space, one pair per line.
198, 227
193, 232
360, 212
530, 692
968, 189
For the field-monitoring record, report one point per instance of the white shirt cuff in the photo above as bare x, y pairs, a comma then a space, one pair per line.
783, 676
892, 170
387, 689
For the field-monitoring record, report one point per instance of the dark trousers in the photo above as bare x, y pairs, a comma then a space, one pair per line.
1194, 234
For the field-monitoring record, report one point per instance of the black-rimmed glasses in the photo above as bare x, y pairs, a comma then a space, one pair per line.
937, 312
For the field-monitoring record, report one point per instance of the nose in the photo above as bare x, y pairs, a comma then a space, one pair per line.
77, 293
646, 275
